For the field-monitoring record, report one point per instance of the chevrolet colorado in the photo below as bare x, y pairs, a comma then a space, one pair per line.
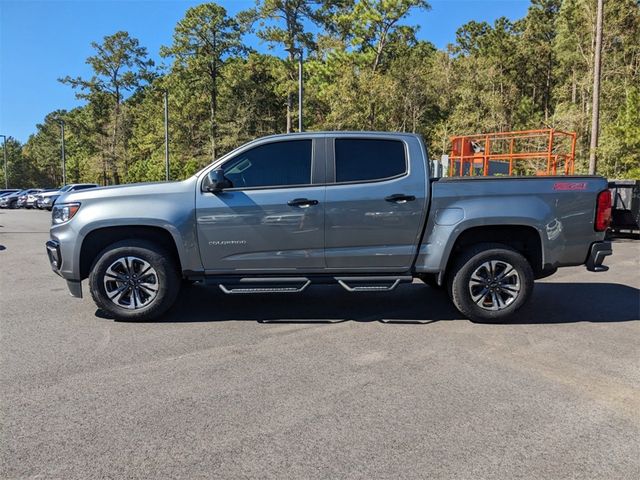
353, 208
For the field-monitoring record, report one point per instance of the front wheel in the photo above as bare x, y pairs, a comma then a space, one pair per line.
134, 280
490, 282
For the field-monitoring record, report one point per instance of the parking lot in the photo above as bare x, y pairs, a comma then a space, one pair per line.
321, 385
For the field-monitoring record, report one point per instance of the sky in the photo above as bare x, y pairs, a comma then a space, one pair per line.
41, 41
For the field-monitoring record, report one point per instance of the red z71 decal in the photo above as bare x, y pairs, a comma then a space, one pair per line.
570, 186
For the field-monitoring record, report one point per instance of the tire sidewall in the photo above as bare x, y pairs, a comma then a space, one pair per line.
168, 281
460, 284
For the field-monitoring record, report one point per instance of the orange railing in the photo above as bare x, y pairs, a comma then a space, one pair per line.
540, 152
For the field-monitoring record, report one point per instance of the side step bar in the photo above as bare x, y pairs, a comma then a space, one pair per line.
299, 284
371, 284
266, 285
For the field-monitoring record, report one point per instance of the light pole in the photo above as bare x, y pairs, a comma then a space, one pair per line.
299, 51
64, 160
4, 152
595, 114
166, 134
300, 90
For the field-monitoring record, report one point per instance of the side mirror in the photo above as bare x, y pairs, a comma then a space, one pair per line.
217, 181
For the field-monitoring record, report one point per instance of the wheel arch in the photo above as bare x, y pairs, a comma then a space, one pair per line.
523, 238
99, 238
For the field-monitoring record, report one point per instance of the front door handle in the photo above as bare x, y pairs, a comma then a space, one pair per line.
302, 202
400, 198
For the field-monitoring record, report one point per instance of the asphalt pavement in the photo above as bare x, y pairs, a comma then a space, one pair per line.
325, 384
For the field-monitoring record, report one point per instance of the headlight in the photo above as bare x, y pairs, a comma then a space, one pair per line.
63, 213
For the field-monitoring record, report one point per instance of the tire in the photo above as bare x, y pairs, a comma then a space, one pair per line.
112, 277
479, 288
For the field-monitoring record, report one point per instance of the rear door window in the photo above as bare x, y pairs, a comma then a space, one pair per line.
364, 159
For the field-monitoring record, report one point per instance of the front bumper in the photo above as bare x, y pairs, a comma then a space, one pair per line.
55, 260
597, 253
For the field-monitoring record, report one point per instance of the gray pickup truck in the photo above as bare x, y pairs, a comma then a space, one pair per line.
352, 208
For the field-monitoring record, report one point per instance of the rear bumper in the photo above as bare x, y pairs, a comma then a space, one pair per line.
597, 253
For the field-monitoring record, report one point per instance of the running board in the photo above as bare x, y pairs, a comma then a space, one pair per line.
371, 284
266, 285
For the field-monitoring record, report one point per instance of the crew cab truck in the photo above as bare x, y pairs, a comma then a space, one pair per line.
352, 208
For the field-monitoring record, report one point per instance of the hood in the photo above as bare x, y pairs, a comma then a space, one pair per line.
15, 194
128, 190
49, 194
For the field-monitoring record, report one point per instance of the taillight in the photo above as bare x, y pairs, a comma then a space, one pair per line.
603, 211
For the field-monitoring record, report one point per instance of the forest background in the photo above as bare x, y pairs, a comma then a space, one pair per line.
364, 69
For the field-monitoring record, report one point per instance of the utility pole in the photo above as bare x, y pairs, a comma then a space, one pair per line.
4, 151
300, 91
64, 160
166, 134
298, 51
595, 114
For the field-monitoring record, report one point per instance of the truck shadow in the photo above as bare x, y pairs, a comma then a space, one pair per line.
409, 304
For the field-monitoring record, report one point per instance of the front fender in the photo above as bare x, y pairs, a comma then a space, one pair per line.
173, 211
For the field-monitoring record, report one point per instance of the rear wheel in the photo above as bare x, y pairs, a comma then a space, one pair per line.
490, 282
134, 280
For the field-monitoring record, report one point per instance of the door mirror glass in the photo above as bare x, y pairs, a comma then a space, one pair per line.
217, 181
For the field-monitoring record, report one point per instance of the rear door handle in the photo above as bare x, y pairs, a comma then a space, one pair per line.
302, 202
400, 198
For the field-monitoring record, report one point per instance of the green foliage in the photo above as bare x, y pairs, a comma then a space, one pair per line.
120, 66
20, 174
202, 41
364, 69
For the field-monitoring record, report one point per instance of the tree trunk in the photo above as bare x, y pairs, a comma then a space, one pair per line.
214, 110
547, 90
114, 141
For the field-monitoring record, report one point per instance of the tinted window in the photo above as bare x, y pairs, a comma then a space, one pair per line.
368, 159
83, 187
271, 165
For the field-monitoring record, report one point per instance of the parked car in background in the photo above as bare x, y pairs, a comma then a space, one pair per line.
7, 199
11, 201
8, 191
5, 195
49, 201
26, 197
39, 203
30, 200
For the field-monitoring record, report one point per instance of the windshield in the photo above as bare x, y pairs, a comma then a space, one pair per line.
66, 188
